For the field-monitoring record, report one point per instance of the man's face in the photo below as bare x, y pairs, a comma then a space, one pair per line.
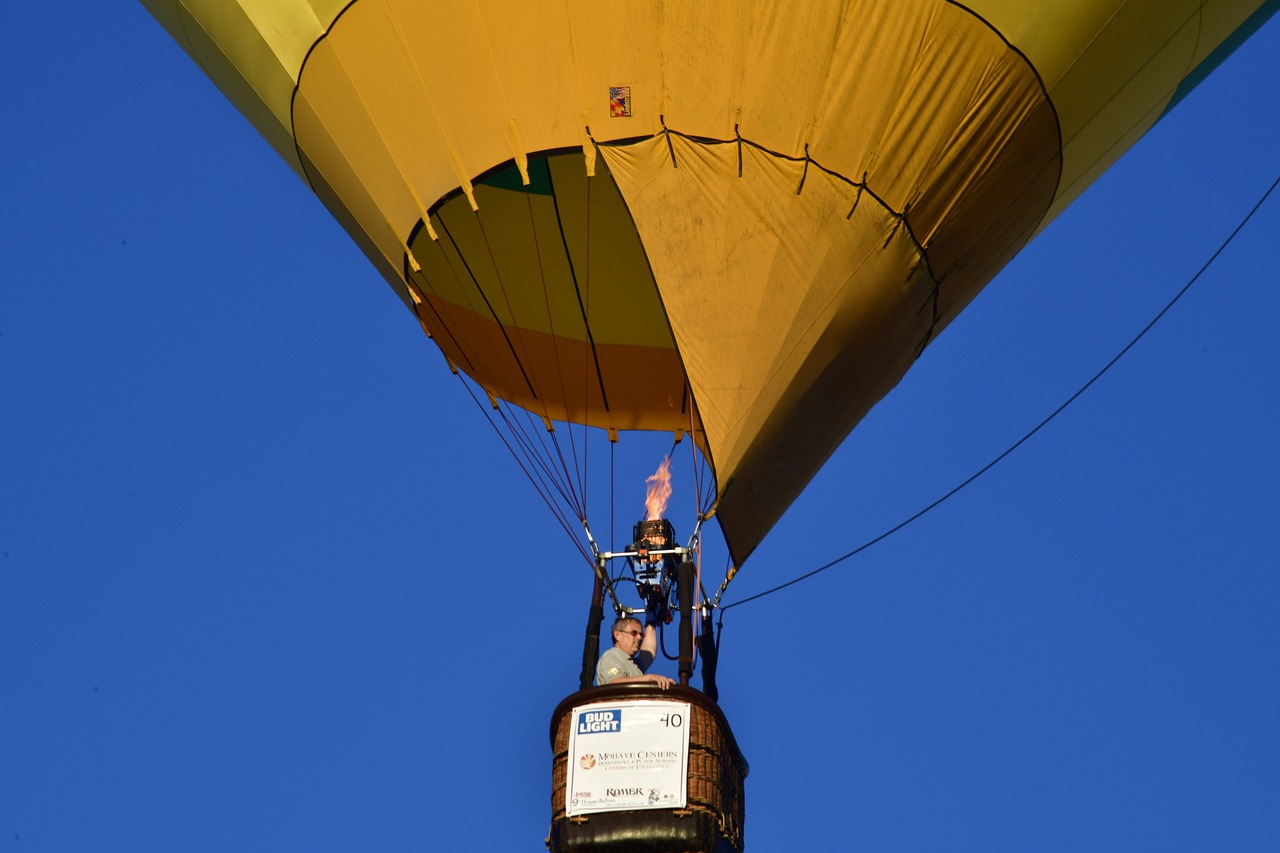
628, 638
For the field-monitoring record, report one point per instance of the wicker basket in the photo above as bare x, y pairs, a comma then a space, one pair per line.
712, 819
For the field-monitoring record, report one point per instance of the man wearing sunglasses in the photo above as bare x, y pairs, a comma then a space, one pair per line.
632, 654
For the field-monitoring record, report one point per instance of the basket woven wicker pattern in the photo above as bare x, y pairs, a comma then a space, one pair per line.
715, 783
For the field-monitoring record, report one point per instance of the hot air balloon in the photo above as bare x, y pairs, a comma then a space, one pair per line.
736, 221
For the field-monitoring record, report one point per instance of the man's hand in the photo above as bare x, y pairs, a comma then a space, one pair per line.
660, 680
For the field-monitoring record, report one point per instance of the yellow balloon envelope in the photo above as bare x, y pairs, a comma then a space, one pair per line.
744, 220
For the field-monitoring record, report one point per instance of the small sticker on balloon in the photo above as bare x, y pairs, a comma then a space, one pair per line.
619, 101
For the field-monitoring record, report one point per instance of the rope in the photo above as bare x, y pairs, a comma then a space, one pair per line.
985, 468
538, 484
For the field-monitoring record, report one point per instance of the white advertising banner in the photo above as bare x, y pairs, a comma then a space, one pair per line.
627, 755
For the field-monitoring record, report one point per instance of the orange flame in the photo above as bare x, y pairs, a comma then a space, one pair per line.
655, 499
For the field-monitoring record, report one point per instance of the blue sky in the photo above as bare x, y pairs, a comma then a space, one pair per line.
269, 581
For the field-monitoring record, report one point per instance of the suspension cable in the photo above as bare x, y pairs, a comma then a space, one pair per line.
985, 468
538, 485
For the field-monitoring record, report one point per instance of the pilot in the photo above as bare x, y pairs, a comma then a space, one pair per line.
632, 653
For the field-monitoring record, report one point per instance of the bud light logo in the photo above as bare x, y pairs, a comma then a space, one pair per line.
593, 722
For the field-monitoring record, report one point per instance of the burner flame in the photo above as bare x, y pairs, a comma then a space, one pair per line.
655, 499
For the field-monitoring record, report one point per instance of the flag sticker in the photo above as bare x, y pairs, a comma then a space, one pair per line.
619, 101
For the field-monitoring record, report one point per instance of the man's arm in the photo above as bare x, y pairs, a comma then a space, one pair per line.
660, 680
649, 643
